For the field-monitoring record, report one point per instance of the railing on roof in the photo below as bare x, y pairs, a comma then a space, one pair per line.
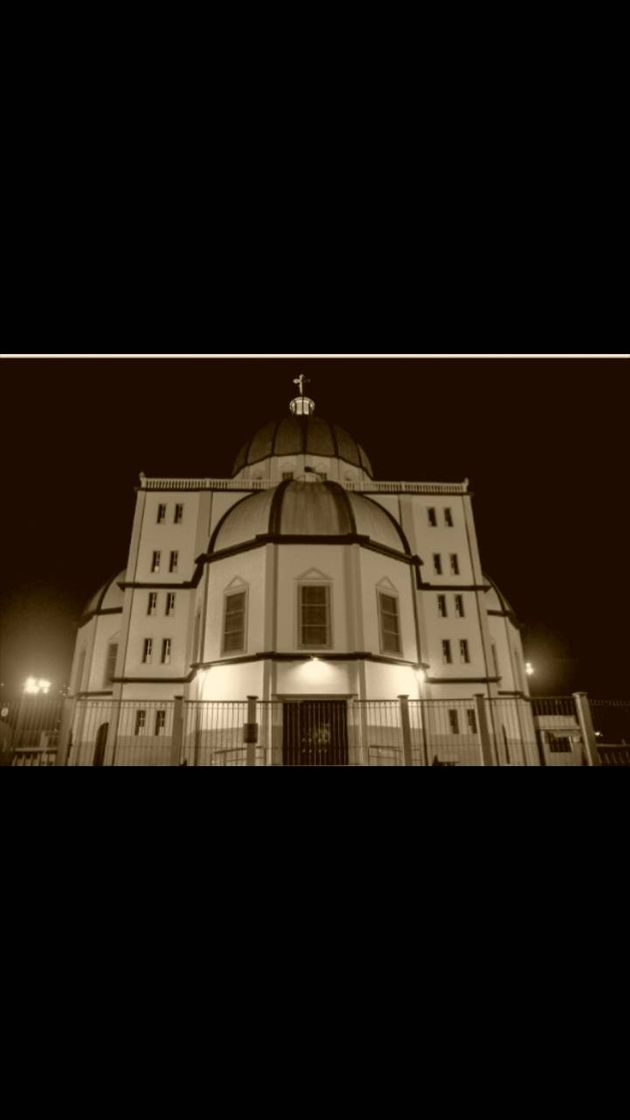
266, 483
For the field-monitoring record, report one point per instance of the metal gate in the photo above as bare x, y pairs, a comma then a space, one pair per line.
315, 733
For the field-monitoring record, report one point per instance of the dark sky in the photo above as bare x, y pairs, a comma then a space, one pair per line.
545, 444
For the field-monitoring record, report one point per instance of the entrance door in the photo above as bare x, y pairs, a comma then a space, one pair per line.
315, 733
101, 743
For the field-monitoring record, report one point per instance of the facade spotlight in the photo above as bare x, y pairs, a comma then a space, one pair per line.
529, 668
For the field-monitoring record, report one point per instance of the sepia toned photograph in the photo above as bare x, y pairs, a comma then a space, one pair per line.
315, 561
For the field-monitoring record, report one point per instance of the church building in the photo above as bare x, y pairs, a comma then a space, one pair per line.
300, 576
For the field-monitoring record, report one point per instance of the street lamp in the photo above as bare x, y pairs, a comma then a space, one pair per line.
33, 686
529, 669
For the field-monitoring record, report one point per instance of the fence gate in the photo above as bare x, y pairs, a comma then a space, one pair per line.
315, 733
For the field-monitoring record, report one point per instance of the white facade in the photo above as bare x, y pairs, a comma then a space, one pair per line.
301, 510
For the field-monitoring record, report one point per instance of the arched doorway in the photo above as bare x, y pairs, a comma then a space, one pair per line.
101, 743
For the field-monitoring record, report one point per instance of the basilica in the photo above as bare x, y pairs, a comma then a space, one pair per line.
300, 576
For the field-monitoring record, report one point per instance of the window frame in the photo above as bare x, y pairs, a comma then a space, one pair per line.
178, 515
447, 648
454, 560
460, 610
464, 651
329, 605
161, 513
107, 680
167, 651
448, 517
169, 609
226, 595
160, 722
391, 593
453, 719
432, 517
156, 561
152, 607
442, 603
140, 721
147, 651
173, 562
438, 569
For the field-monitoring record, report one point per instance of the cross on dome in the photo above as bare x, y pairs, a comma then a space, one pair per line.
302, 406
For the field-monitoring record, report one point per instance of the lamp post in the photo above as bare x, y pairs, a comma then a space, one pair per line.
33, 686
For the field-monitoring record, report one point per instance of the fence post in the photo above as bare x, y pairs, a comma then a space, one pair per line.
251, 731
65, 730
585, 719
178, 731
484, 730
406, 730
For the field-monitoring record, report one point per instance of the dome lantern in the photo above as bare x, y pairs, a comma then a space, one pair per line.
302, 405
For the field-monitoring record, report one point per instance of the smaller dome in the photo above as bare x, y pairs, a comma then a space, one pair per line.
108, 598
496, 601
307, 509
302, 434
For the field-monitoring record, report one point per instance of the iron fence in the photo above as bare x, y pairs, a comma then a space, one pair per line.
472, 732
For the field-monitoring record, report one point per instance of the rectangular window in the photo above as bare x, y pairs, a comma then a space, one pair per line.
559, 744
234, 624
390, 623
459, 606
170, 603
174, 561
287, 476
471, 716
152, 603
160, 721
166, 651
442, 606
453, 719
179, 514
161, 514
464, 652
110, 664
314, 616
437, 564
446, 653
454, 564
432, 517
141, 721
155, 562
147, 651
448, 518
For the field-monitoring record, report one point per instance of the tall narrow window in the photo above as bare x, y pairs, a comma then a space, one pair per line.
147, 651
432, 517
234, 623
459, 606
454, 564
314, 616
160, 721
437, 563
152, 603
141, 721
110, 664
179, 514
464, 651
161, 514
155, 562
442, 606
390, 623
80, 670
166, 651
471, 716
170, 602
446, 652
448, 518
174, 561
453, 719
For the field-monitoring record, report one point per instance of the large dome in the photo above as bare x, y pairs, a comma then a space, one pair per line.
108, 598
305, 510
302, 435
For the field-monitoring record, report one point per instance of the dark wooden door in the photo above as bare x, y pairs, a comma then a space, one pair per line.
315, 733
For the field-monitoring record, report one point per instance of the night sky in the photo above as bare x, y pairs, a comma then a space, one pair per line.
544, 443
